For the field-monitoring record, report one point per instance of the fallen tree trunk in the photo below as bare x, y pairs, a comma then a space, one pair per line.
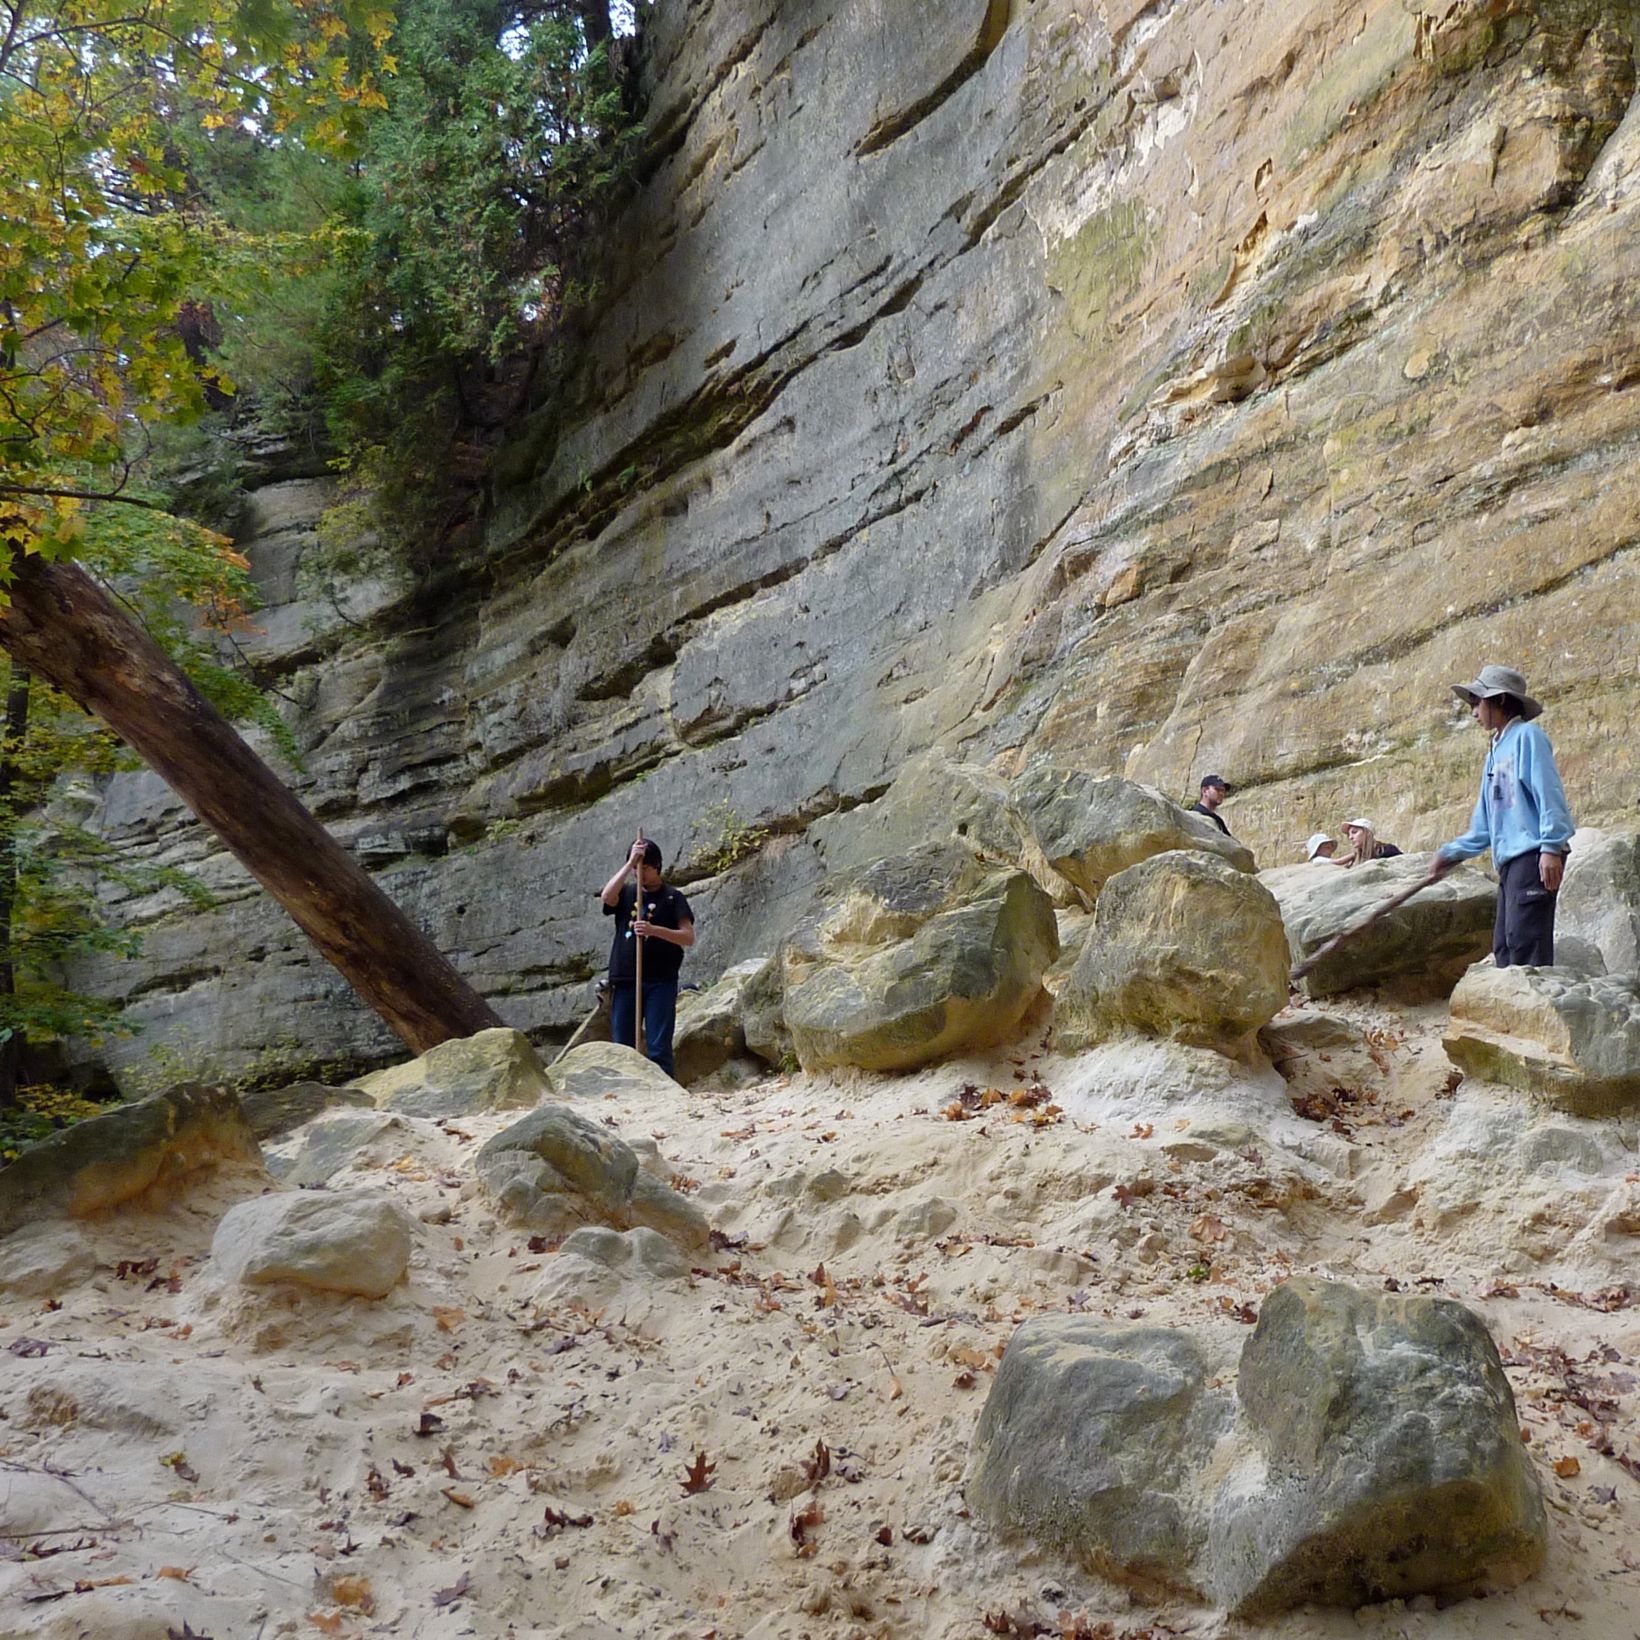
63, 627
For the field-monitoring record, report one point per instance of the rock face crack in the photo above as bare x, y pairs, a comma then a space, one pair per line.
992, 28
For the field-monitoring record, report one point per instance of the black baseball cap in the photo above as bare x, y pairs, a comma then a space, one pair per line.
1216, 780
652, 853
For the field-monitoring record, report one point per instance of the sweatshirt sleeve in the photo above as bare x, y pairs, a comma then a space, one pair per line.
1555, 826
1474, 841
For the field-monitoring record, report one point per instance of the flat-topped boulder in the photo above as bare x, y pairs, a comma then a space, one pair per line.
1183, 946
497, 1069
598, 1068
143, 1152
914, 958
1571, 1038
1089, 827
1369, 1450
1430, 940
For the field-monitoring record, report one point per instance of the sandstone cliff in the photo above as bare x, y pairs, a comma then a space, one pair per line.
1148, 386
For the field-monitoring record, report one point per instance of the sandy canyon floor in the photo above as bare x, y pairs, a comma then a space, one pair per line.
773, 1445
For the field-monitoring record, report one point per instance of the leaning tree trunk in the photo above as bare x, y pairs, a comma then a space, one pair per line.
62, 626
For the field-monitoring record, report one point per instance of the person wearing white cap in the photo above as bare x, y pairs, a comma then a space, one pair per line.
1364, 844
1320, 847
1521, 815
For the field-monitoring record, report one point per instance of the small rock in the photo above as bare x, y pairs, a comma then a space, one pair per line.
356, 1243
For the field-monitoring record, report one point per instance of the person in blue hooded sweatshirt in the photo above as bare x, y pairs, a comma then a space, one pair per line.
1521, 816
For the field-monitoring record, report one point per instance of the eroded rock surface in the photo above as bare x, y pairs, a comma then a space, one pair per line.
1598, 914
1571, 1038
1126, 395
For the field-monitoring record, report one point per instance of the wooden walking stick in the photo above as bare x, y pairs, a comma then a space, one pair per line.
1359, 926
638, 1040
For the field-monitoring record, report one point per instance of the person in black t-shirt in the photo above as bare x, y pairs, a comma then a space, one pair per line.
666, 925
1215, 788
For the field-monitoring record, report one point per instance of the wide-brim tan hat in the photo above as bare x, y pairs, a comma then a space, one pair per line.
1499, 680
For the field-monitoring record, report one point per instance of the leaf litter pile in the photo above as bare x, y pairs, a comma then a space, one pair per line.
521, 1442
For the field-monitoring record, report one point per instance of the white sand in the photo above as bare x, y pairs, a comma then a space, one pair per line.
315, 1499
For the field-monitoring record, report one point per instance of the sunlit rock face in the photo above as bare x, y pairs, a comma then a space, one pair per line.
1149, 391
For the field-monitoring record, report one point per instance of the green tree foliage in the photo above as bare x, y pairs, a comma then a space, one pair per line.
102, 244
419, 290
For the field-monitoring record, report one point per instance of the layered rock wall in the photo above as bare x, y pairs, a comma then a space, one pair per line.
1145, 387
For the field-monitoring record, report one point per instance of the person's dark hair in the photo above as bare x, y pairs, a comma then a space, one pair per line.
652, 853
1512, 704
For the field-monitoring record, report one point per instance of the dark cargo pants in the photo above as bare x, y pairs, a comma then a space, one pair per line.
1524, 933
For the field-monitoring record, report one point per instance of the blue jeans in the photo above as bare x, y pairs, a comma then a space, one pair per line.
660, 1010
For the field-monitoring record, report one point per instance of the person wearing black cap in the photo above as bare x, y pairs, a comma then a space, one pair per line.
1521, 816
667, 926
1215, 788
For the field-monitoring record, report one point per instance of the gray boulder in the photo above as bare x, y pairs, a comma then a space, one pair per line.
496, 1069
915, 958
1598, 913
763, 1015
350, 1242
143, 1152
1572, 1039
1430, 940
1369, 1451
1093, 1439
1184, 947
1390, 1459
555, 1171
1089, 827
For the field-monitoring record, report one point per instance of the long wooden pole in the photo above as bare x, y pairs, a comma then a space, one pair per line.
639, 1041
62, 626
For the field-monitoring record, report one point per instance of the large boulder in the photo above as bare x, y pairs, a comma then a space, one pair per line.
1598, 912
1093, 1440
1430, 940
1389, 1459
555, 1170
495, 1069
915, 958
1573, 1039
1183, 946
1370, 1450
1090, 827
709, 1029
139, 1152
351, 1242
